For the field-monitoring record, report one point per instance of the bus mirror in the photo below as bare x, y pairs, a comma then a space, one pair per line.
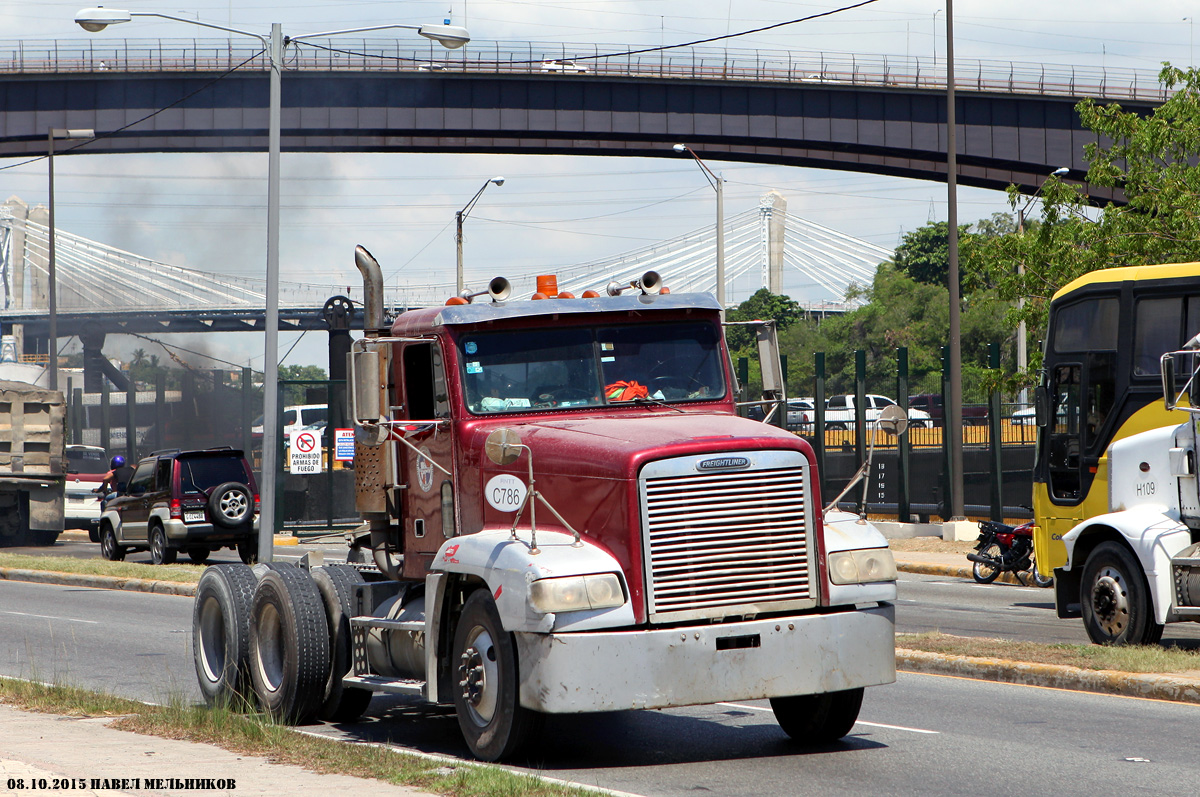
1041, 406
1170, 390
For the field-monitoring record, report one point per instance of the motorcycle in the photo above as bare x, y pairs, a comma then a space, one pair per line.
1002, 547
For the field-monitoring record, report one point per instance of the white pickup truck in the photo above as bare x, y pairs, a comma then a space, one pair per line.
839, 411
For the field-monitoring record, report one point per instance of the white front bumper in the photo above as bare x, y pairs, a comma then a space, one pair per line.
610, 671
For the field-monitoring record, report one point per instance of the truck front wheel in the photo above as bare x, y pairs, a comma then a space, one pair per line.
486, 694
1115, 600
818, 719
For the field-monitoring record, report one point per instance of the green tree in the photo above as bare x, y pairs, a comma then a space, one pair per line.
763, 305
296, 394
1154, 160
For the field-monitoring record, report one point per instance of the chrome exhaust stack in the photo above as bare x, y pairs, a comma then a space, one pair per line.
372, 276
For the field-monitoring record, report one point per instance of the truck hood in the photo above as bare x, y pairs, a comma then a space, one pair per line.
616, 447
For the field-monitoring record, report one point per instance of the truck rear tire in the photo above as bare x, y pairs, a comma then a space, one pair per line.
289, 645
485, 683
818, 719
221, 634
336, 584
1115, 599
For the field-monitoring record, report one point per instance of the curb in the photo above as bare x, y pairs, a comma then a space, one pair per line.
1157, 687
98, 582
1055, 676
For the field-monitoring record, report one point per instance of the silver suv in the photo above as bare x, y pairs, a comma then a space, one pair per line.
194, 501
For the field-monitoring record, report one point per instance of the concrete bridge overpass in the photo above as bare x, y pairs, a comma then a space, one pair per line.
884, 115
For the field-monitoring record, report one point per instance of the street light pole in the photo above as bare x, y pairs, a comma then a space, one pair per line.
450, 37
1022, 344
51, 264
718, 183
459, 216
954, 400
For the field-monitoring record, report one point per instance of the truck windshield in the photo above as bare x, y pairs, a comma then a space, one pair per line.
529, 370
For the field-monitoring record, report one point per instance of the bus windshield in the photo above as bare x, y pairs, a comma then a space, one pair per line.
530, 370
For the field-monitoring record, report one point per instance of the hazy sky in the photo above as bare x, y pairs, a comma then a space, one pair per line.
207, 211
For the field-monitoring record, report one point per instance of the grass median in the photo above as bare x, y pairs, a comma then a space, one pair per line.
1152, 659
256, 735
185, 573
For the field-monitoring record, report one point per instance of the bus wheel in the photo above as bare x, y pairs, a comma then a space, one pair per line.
289, 645
486, 694
818, 719
1115, 600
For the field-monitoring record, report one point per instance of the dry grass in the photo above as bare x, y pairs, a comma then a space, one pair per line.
933, 545
186, 573
256, 735
1140, 659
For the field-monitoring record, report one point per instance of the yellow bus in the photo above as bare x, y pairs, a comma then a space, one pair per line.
1100, 382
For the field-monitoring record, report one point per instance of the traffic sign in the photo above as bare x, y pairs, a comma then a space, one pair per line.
343, 445
306, 452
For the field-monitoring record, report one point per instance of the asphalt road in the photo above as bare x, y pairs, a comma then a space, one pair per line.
1009, 611
924, 734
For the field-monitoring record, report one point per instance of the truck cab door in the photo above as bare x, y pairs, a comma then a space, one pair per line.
427, 514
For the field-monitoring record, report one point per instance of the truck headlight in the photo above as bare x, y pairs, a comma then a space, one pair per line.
862, 566
576, 593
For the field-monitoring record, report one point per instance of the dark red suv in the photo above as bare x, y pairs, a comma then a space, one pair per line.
192, 501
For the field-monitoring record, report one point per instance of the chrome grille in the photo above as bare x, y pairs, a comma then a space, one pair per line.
727, 543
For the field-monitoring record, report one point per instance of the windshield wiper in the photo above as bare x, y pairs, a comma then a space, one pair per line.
660, 402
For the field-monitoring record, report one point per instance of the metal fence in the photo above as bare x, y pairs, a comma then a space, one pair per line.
909, 479
346, 53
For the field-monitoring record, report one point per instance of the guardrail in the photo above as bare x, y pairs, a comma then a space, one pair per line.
346, 53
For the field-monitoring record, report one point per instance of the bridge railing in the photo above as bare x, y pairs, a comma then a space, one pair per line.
346, 53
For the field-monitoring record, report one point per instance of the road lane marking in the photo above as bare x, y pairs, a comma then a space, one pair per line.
51, 617
859, 722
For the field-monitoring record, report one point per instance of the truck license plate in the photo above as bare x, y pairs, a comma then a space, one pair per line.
193, 517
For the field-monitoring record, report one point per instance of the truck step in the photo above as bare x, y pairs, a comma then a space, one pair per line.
1186, 561
379, 683
386, 624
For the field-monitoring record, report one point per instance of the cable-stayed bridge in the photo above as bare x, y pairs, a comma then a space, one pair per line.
119, 291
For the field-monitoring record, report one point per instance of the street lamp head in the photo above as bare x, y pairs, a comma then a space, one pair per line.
497, 180
680, 148
449, 36
1061, 171
97, 19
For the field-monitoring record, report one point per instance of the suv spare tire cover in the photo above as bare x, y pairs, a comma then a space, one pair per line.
230, 505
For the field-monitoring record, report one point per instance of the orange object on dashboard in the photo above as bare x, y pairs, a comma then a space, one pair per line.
626, 391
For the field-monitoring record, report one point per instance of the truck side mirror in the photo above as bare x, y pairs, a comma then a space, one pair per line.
368, 377
768, 358
1041, 406
1170, 391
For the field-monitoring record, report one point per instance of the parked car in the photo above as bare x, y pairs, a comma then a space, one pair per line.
295, 418
799, 414
86, 466
194, 501
1025, 417
839, 411
563, 66
972, 414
